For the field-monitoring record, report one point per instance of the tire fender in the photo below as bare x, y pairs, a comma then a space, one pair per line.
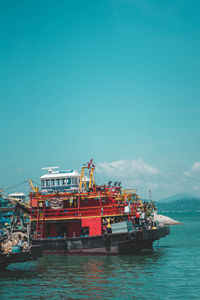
132, 235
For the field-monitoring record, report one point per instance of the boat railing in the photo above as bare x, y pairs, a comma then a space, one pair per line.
69, 213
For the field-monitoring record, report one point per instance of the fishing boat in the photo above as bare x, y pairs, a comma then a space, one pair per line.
33, 253
12, 210
71, 214
19, 196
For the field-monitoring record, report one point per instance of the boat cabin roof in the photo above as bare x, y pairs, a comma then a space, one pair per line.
61, 174
17, 195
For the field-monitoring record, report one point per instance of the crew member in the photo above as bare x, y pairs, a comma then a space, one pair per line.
20, 242
109, 229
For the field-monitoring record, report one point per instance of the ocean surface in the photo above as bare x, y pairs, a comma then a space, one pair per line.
171, 271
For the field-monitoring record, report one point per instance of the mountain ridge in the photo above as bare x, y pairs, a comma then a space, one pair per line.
179, 202
178, 197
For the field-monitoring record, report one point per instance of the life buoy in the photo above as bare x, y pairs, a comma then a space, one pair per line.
132, 235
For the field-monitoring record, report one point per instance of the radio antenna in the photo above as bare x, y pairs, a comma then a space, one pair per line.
50, 169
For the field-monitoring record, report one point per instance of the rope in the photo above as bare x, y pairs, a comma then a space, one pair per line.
14, 186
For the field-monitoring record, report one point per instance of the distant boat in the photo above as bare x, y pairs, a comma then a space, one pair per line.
19, 196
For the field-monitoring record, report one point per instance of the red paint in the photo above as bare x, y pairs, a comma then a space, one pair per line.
34, 202
94, 225
137, 215
73, 229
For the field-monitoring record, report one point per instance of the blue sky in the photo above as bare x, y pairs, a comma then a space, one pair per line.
114, 80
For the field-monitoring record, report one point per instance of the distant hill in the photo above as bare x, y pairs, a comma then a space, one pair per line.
179, 197
180, 202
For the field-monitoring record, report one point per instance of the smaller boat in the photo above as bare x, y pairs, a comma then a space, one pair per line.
11, 211
16, 256
18, 196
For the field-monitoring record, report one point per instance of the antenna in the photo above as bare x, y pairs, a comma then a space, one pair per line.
50, 169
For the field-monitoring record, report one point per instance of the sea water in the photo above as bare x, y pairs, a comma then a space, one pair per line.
171, 271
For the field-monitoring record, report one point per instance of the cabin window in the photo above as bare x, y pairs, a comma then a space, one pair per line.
57, 181
63, 181
42, 182
68, 180
47, 182
74, 181
52, 181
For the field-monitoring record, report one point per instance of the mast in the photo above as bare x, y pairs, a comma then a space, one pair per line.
91, 167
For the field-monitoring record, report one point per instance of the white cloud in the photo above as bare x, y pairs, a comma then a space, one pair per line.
127, 169
132, 173
194, 171
145, 177
193, 177
196, 167
196, 187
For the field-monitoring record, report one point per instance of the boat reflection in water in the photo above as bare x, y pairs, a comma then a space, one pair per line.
97, 276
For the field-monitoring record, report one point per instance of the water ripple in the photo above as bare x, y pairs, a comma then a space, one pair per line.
170, 272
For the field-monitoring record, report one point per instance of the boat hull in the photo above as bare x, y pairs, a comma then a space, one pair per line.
109, 244
9, 258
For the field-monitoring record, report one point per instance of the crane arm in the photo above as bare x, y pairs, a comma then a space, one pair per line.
35, 189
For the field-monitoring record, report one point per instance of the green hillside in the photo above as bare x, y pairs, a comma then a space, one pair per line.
186, 205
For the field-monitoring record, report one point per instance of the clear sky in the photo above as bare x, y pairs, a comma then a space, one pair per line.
115, 80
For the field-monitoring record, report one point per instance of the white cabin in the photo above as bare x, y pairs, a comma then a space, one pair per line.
61, 181
18, 196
